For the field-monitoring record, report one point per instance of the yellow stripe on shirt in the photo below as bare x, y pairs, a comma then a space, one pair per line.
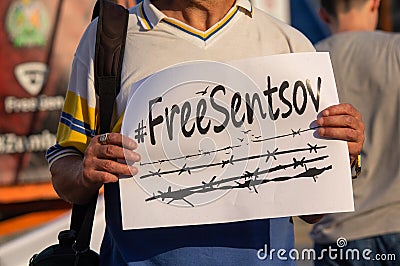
200, 34
143, 17
77, 123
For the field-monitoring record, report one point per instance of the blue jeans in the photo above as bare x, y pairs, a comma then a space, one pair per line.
372, 251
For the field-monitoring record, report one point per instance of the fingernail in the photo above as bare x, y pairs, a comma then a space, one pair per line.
325, 113
320, 121
321, 131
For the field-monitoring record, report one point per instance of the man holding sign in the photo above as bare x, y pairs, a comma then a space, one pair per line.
161, 34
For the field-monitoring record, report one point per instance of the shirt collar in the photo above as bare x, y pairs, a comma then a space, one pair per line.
149, 16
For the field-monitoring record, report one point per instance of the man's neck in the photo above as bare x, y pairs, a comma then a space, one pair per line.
353, 24
355, 20
199, 14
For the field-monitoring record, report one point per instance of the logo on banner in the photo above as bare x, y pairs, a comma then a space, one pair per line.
27, 23
31, 76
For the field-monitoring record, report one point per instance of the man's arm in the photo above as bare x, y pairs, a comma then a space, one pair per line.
67, 180
341, 122
77, 179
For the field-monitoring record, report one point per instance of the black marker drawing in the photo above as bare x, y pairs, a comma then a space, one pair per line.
294, 133
225, 162
203, 92
248, 179
182, 194
271, 154
248, 174
140, 132
173, 195
156, 173
248, 184
312, 147
298, 163
209, 184
184, 169
201, 153
258, 172
313, 172
231, 161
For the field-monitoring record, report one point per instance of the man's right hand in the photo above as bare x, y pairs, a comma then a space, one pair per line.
103, 163
77, 179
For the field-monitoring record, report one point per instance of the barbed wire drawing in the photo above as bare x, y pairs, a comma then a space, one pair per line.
232, 160
251, 184
200, 153
301, 158
294, 133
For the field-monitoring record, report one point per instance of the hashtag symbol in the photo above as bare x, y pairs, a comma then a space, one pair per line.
140, 133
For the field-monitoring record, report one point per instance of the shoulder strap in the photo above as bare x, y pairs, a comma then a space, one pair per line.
110, 45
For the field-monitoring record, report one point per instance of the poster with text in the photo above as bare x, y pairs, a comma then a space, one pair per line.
225, 142
38, 39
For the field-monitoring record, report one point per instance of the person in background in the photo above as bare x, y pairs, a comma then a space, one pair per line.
162, 33
366, 64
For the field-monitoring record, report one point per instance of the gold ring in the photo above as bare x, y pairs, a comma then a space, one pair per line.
103, 139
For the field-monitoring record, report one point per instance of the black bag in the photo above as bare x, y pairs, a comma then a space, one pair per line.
74, 244
63, 253
72, 248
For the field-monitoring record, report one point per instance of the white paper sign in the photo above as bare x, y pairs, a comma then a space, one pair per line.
232, 142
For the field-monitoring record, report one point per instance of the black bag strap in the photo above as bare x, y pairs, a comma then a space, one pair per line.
110, 45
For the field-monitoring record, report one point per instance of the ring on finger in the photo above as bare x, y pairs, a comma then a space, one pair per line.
103, 139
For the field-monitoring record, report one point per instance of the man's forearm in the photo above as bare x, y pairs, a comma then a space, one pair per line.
67, 178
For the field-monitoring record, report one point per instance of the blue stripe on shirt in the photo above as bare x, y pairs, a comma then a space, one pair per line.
76, 125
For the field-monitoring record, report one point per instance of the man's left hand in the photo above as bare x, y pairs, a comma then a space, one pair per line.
343, 122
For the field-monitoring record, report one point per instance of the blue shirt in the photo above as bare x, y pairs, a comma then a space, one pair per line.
237, 243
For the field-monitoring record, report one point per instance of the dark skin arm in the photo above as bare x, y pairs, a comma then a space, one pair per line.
78, 179
341, 122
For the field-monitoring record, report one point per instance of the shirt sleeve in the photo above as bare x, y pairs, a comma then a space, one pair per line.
77, 124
